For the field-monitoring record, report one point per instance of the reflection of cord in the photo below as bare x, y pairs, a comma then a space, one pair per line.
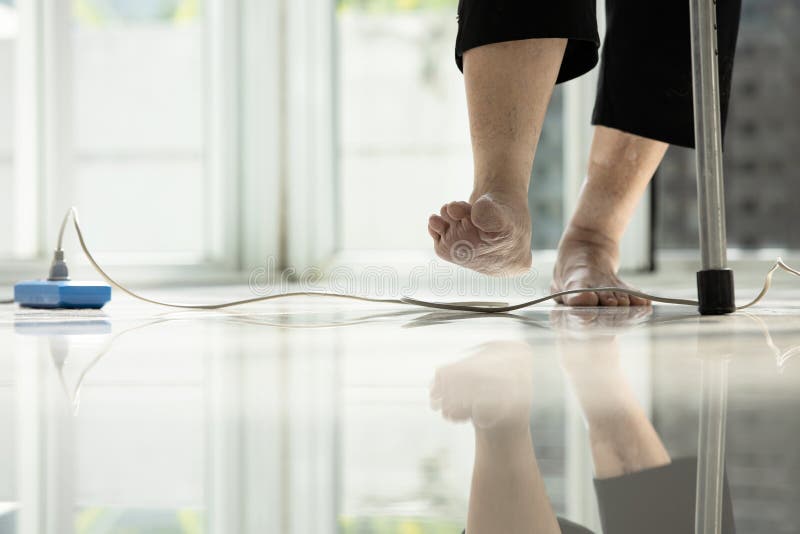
781, 356
786, 356
7, 301
74, 396
482, 307
261, 321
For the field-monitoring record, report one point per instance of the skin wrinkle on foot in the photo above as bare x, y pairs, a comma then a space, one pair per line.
497, 231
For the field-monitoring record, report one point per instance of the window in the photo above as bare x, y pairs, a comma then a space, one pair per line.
762, 133
546, 193
8, 35
139, 121
403, 146
128, 110
202, 132
404, 138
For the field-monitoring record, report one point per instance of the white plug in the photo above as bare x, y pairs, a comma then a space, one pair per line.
59, 272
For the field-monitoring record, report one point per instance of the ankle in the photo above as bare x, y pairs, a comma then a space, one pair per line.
504, 193
504, 437
508, 183
588, 236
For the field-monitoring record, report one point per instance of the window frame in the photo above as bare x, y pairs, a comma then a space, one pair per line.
242, 152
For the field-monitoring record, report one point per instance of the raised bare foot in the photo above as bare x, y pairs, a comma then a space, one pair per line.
491, 234
587, 259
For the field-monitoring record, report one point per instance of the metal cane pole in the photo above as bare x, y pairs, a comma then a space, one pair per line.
715, 280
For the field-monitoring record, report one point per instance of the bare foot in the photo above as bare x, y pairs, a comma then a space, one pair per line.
587, 259
490, 235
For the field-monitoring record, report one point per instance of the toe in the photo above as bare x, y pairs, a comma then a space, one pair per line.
437, 224
488, 216
455, 411
446, 216
607, 298
434, 234
626, 299
458, 210
638, 301
622, 299
581, 299
554, 288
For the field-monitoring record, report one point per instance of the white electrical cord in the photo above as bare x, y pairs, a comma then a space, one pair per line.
73, 212
768, 281
479, 307
779, 264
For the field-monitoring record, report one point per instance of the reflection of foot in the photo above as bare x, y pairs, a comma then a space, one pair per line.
621, 437
491, 235
592, 365
493, 388
591, 360
587, 259
591, 322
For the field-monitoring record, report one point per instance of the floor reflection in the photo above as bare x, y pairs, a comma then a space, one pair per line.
302, 418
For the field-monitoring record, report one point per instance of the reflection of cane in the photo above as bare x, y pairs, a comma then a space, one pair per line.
711, 447
715, 280
714, 350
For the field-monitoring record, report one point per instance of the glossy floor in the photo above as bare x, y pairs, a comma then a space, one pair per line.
322, 416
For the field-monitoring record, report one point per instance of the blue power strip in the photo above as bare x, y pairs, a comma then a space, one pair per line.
61, 294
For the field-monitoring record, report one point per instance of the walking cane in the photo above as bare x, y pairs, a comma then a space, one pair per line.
715, 281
